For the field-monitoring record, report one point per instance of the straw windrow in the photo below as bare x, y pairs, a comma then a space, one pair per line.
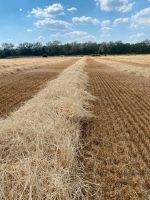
39, 143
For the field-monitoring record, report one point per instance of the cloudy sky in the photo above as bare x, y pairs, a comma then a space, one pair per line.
74, 20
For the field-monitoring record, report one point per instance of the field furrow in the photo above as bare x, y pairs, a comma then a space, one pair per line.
140, 99
117, 144
135, 126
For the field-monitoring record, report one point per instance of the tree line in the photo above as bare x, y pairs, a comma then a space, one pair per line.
56, 48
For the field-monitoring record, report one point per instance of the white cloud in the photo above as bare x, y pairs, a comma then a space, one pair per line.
105, 23
115, 5
10, 39
20, 9
137, 35
141, 18
52, 22
140, 34
28, 16
29, 30
41, 37
106, 29
123, 20
49, 11
85, 20
72, 9
76, 34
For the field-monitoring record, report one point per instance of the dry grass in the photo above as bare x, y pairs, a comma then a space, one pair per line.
39, 143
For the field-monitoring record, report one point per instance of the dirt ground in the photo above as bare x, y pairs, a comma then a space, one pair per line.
116, 143
18, 87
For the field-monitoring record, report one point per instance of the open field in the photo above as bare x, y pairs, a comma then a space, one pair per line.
53, 148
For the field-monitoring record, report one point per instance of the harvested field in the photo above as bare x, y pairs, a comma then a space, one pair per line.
116, 153
53, 148
20, 86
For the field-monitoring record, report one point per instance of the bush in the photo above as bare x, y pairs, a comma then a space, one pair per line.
45, 55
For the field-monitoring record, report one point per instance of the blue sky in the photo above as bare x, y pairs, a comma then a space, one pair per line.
74, 20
